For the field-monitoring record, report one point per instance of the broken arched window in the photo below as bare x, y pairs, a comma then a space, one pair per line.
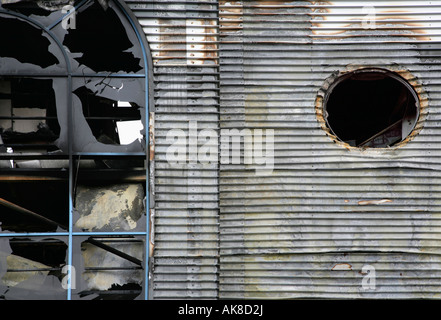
72, 151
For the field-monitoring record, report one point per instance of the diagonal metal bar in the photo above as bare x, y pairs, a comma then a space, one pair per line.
114, 251
379, 133
18, 208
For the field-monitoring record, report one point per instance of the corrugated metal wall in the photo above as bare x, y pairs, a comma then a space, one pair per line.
308, 229
327, 211
183, 39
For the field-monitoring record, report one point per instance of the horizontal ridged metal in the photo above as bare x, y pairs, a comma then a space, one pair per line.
183, 40
326, 211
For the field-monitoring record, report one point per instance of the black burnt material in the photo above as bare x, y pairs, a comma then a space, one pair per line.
102, 113
24, 42
102, 38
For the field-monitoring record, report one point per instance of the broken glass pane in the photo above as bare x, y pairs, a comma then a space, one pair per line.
28, 115
109, 268
129, 131
40, 205
98, 109
31, 268
102, 41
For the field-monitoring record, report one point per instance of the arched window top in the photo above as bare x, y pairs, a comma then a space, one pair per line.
86, 56
94, 38
73, 109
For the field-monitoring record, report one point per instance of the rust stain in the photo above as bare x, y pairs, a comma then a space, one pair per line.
274, 3
151, 232
162, 52
231, 11
373, 202
342, 267
151, 136
416, 30
228, 23
229, 3
395, 11
173, 41
29, 178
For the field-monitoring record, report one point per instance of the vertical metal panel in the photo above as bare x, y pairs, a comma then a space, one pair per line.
183, 39
327, 210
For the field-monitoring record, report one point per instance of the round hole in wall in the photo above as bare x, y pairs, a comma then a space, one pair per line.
371, 108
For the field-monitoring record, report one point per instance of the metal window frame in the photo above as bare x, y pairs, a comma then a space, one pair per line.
131, 19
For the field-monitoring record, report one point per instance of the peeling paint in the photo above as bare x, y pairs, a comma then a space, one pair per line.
342, 267
118, 207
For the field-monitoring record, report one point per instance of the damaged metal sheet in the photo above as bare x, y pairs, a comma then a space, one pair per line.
331, 276
31, 269
376, 207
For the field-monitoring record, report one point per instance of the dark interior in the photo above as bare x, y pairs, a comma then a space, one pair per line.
368, 108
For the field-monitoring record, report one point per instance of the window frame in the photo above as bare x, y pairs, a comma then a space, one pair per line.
74, 156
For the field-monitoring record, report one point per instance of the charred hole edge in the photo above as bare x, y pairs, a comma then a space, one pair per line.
401, 74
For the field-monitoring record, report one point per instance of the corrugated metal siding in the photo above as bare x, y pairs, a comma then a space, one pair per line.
308, 229
183, 39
